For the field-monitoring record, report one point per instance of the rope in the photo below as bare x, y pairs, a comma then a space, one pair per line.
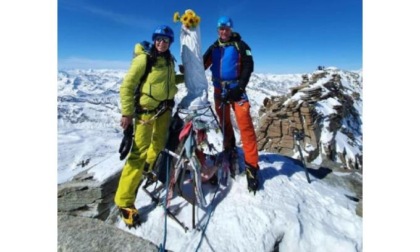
163, 244
196, 114
218, 184
208, 219
155, 116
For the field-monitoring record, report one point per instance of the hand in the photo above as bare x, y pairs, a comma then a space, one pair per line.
127, 142
235, 94
181, 68
126, 121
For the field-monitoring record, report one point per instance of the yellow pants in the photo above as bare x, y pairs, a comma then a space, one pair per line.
149, 140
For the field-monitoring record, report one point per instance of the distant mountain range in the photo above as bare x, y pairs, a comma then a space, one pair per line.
88, 99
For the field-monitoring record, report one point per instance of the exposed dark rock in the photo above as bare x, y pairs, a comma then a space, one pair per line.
88, 234
84, 196
302, 111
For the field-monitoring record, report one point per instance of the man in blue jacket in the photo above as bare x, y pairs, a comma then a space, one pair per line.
231, 63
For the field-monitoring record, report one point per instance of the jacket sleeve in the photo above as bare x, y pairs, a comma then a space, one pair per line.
247, 63
207, 57
130, 82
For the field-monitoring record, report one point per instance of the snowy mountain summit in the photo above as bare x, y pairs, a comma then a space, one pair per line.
326, 108
286, 214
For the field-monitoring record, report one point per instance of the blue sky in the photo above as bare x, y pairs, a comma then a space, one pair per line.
292, 36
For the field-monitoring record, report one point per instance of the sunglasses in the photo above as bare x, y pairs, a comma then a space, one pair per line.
164, 39
223, 28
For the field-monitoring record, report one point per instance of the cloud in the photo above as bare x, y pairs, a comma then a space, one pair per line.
84, 63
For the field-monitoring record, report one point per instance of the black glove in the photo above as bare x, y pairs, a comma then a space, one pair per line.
235, 94
181, 68
126, 142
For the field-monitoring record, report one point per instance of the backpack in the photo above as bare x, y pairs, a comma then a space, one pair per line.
146, 46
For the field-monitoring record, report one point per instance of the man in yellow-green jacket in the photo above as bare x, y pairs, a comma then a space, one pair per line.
152, 114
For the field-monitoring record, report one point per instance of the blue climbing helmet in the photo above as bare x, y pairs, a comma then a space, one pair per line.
163, 30
224, 21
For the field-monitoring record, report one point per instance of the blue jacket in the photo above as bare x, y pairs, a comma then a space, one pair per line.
230, 61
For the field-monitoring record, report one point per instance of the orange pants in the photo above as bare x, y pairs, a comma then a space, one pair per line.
244, 121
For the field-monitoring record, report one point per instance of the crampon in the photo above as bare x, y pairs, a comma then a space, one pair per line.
130, 216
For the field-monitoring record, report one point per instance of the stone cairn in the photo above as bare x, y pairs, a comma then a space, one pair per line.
281, 116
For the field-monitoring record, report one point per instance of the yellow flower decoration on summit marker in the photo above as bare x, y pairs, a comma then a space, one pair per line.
189, 18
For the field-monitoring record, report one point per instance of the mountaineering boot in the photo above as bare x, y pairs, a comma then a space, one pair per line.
130, 216
252, 178
233, 160
229, 163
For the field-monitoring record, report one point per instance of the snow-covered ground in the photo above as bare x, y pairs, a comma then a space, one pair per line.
287, 210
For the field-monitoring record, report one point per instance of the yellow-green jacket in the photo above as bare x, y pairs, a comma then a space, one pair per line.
160, 84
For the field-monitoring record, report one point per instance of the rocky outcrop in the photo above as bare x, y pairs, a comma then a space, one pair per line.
325, 110
84, 196
87, 234
87, 216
